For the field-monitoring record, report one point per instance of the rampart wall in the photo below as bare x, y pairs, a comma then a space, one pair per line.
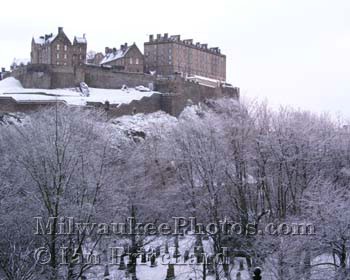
174, 93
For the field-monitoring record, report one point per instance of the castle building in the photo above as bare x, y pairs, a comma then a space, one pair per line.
127, 58
58, 49
168, 55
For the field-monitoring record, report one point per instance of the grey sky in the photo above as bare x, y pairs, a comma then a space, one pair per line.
294, 52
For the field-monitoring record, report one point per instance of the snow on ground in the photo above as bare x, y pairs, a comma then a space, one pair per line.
148, 123
190, 270
10, 87
183, 270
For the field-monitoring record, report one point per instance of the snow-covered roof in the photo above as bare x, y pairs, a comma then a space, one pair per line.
114, 55
81, 40
10, 87
204, 80
41, 40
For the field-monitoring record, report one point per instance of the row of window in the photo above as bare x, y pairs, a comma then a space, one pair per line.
203, 71
58, 56
58, 47
65, 47
80, 57
185, 58
136, 60
187, 53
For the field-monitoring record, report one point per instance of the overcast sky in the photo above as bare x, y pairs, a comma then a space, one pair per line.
291, 52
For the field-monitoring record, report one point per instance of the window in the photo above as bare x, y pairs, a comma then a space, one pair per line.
65, 47
58, 56
58, 47
65, 56
130, 60
137, 61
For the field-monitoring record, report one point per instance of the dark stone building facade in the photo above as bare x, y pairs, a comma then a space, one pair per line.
58, 49
169, 54
127, 58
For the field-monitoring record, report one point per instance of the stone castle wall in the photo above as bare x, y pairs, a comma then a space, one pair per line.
8, 104
98, 77
146, 105
44, 76
47, 76
180, 93
176, 92
174, 97
33, 76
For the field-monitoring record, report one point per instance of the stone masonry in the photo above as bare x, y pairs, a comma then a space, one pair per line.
58, 50
167, 55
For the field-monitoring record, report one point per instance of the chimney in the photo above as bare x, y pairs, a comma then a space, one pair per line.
165, 36
3, 70
159, 36
114, 50
151, 38
84, 35
126, 45
107, 50
60, 30
122, 47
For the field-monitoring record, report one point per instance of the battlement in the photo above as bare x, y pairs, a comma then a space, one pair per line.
177, 39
